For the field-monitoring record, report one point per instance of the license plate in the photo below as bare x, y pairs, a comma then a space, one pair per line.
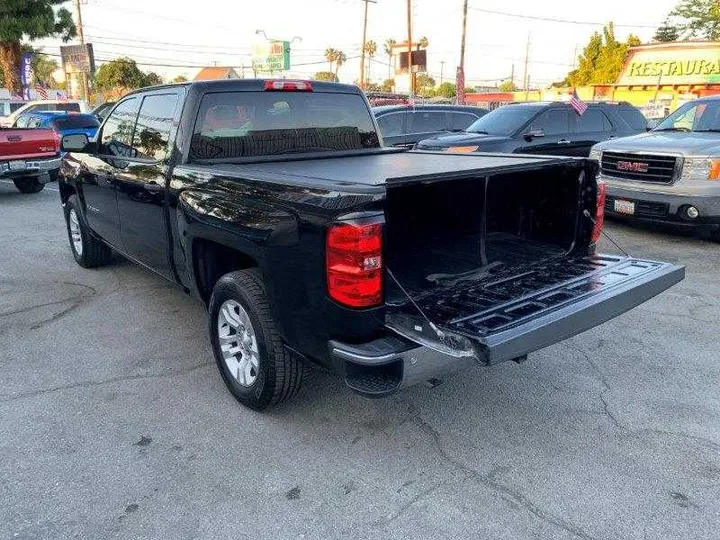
17, 165
624, 207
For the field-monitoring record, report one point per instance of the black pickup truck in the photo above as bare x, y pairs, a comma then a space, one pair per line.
276, 204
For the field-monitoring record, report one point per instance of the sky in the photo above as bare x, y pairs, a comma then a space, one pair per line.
183, 34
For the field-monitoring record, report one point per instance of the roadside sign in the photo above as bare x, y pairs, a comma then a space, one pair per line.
78, 58
271, 56
27, 76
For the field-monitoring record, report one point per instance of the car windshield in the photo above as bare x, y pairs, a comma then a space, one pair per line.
75, 121
503, 120
693, 116
250, 124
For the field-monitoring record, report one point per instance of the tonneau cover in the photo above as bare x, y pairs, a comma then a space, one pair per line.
386, 167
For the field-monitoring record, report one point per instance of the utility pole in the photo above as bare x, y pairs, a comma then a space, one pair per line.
442, 66
512, 76
462, 38
81, 36
526, 79
364, 41
411, 75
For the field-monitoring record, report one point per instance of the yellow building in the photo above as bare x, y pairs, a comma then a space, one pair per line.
657, 78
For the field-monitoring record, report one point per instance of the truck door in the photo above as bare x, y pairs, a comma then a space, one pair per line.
99, 171
141, 185
549, 134
588, 129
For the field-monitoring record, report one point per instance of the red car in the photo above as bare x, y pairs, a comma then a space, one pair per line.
29, 157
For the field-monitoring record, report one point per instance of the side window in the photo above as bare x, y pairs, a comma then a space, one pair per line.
74, 107
117, 132
633, 118
33, 108
553, 122
22, 121
154, 122
461, 121
593, 121
426, 121
392, 124
34, 122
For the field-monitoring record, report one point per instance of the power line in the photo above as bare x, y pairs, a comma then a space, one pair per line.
563, 21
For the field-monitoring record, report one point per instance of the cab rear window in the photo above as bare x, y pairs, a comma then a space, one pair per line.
251, 124
76, 121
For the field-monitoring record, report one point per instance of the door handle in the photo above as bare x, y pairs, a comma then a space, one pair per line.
14, 138
152, 187
563, 141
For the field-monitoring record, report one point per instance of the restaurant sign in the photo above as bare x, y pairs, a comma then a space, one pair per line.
681, 63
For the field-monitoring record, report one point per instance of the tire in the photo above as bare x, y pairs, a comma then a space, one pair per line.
28, 184
87, 250
262, 373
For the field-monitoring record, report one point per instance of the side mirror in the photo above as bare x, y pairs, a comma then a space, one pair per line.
533, 134
77, 142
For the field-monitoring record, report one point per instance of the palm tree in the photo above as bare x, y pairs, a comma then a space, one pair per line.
340, 58
370, 50
331, 55
388, 48
424, 42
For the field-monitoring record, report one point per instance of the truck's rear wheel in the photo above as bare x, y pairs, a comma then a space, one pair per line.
87, 250
253, 362
28, 184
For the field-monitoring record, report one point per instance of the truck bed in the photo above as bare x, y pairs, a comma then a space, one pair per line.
378, 169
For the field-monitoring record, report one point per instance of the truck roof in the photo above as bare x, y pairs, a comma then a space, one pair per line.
251, 85
381, 168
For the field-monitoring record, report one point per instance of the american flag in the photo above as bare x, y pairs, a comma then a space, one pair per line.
578, 104
40, 91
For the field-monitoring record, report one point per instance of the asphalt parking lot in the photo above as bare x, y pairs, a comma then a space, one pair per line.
115, 424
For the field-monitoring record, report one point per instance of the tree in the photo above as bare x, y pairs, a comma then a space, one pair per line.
30, 20
667, 32
152, 79
331, 56
119, 73
44, 67
370, 50
446, 89
699, 18
340, 59
388, 85
508, 86
325, 76
388, 48
180, 79
424, 42
602, 59
424, 84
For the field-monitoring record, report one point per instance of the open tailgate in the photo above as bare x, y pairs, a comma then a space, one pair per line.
504, 317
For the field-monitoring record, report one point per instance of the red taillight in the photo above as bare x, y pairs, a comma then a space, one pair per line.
354, 264
56, 139
288, 86
599, 212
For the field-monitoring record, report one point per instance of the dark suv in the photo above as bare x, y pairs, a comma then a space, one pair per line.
543, 128
405, 125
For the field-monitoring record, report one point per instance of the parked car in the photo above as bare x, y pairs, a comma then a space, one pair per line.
671, 174
29, 157
101, 111
273, 202
406, 125
543, 128
43, 105
61, 122
7, 107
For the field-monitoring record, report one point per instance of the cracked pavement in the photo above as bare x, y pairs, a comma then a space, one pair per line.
114, 423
